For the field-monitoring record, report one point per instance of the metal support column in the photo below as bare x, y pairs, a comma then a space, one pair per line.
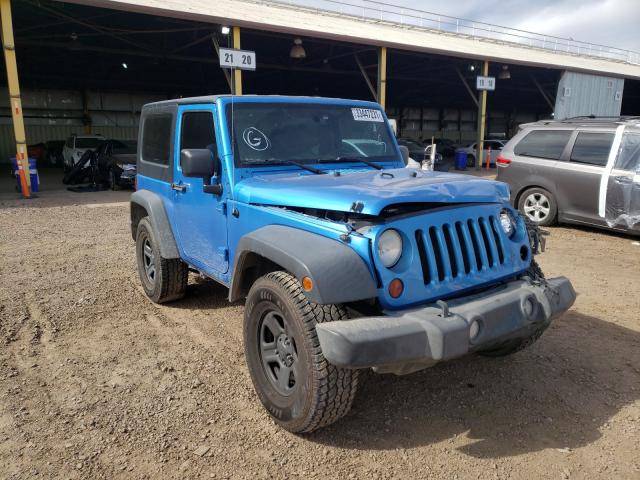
382, 77
482, 119
237, 73
8, 45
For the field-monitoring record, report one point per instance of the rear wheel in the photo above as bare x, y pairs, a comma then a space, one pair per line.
163, 279
295, 383
539, 206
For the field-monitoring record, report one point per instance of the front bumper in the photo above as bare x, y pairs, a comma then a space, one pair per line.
410, 340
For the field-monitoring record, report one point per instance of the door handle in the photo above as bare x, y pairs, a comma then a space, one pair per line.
179, 187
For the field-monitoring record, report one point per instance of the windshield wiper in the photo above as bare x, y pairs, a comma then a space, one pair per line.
305, 167
297, 164
354, 159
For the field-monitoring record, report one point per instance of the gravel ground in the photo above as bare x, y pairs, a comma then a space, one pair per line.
98, 382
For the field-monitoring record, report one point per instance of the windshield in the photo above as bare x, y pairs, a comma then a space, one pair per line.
87, 142
308, 133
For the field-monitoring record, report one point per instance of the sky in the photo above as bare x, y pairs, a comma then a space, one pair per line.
614, 23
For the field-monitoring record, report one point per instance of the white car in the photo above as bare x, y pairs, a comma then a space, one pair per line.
495, 145
76, 145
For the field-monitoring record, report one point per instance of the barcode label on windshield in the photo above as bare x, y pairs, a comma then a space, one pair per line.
367, 115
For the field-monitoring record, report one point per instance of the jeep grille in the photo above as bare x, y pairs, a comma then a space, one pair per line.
456, 249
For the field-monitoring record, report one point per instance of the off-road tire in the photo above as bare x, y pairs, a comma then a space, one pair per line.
536, 274
551, 217
171, 274
323, 393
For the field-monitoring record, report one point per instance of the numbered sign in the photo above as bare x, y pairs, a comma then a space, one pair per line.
485, 83
232, 58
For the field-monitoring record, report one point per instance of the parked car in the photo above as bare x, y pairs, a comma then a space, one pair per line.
444, 146
342, 268
117, 163
47, 153
419, 153
76, 145
111, 165
584, 171
495, 146
416, 149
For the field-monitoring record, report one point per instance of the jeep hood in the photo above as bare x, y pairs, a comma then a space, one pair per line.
370, 191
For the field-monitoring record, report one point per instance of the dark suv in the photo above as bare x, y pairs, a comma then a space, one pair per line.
583, 170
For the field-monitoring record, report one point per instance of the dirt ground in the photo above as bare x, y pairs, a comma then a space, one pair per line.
98, 382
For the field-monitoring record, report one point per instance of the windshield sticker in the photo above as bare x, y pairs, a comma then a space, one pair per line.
255, 139
367, 115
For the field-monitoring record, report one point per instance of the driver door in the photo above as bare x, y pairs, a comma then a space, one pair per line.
199, 217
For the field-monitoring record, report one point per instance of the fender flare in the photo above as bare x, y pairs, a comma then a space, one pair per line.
153, 205
338, 273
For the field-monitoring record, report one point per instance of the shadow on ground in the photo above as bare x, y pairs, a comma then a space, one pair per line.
64, 198
558, 394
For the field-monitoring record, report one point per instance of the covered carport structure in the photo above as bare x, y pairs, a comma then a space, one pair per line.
88, 66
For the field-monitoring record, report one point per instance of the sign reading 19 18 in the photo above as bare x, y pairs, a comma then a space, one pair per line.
233, 58
485, 83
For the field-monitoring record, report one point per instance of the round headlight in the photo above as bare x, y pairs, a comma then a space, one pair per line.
507, 222
389, 247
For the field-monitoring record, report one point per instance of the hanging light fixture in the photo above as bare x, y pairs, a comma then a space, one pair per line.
504, 74
297, 50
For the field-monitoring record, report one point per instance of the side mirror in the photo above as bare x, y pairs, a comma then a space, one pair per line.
197, 162
405, 154
200, 162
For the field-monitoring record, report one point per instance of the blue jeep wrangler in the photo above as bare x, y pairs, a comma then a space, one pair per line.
347, 260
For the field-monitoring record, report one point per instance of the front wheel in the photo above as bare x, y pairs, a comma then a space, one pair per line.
295, 383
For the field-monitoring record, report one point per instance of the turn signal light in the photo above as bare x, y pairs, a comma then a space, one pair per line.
502, 161
396, 288
307, 284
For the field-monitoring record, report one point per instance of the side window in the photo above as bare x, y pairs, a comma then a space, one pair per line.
156, 138
198, 131
547, 144
592, 148
629, 154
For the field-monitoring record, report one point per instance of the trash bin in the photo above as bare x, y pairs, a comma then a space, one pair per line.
33, 173
461, 160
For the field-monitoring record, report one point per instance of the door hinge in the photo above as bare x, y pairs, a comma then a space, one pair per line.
224, 253
222, 208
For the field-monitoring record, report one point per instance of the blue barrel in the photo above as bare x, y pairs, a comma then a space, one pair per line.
461, 160
33, 173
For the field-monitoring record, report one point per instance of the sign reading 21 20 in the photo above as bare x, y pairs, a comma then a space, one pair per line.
233, 58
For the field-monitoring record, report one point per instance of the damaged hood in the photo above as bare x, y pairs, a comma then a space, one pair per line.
368, 191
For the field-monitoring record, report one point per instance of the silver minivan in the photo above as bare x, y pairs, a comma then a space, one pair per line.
582, 170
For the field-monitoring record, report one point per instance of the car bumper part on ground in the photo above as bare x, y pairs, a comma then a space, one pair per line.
413, 339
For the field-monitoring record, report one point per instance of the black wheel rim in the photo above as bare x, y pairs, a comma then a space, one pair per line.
278, 353
149, 260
